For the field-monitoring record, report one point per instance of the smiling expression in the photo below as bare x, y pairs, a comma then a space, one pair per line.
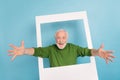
61, 37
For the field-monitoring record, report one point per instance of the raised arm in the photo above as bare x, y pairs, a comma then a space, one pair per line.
18, 51
105, 54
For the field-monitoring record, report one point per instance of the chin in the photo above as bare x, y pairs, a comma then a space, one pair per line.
61, 47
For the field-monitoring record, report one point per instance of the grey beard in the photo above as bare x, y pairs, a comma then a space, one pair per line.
59, 46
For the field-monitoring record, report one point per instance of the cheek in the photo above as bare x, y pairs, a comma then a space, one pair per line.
57, 40
65, 40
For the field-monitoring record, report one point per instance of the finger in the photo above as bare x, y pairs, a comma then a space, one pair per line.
106, 61
109, 51
109, 59
102, 46
13, 57
22, 43
112, 56
11, 54
10, 51
13, 46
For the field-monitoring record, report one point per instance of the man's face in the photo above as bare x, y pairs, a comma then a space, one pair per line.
61, 39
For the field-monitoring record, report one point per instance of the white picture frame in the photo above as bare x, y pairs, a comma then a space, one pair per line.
85, 71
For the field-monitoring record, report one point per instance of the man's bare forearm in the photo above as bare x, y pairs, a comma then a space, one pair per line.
29, 51
94, 52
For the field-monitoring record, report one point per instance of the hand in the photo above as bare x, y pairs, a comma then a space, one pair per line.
17, 51
106, 54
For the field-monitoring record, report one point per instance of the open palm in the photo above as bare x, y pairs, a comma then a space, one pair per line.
17, 51
106, 54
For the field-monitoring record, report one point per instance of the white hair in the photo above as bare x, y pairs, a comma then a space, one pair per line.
61, 30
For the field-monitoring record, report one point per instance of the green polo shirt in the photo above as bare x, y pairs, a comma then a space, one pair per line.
62, 57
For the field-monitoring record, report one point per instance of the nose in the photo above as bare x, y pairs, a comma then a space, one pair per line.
61, 40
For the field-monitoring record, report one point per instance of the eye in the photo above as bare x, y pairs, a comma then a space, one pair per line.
64, 37
58, 37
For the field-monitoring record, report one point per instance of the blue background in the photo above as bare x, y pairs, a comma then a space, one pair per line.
17, 22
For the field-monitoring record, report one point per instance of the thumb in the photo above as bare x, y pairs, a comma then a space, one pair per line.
102, 46
13, 57
22, 43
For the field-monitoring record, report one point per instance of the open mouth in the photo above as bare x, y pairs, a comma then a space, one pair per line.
61, 44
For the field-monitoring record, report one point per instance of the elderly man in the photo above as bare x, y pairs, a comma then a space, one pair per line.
61, 53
